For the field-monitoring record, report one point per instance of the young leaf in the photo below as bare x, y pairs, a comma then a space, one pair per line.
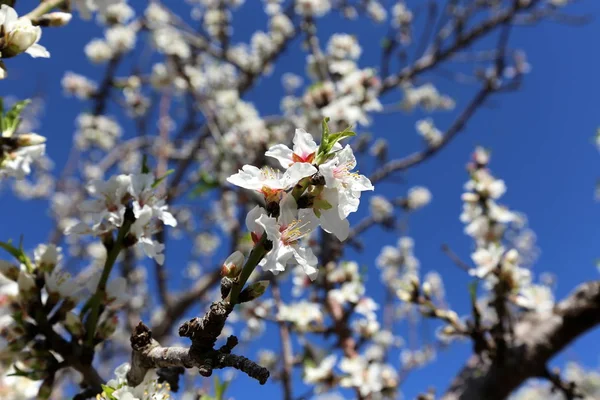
162, 178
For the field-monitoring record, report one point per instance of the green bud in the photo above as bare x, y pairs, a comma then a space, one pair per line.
73, 324
253, 291
233, 265
107, 327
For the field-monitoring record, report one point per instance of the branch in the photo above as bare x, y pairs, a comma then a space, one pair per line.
538, 338
203, 332
428, 61
286, 345
420, 156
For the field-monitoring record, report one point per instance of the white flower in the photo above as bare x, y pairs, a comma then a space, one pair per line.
18, 163
330, 218
268, 180
19, 35
107, 210
367, 377
78, 85
121, 38
316, 8
381, 208
402, 15
148, 389
301, 314
418, 197
432, 135
285, 233
338, 175
486, 259
47, 256
98, 51
305, 150
62, 284
143, 230
320, 372
342, 46
426, 96
349, 292
538, 298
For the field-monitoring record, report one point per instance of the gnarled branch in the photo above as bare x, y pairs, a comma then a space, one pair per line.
538, 338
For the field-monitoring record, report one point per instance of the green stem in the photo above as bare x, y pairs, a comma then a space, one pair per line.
257, 253
96, 300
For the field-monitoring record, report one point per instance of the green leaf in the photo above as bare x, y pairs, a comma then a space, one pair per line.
108, 391
162, 178
336, 137
12, 118
324, 137
17, 253
220, 388
145, 168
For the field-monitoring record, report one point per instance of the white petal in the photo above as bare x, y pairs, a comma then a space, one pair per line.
251, 218
281, 153
270, 226
332, 223
246, 178
37, 50
308, 261
288, 210
297, 172
304, 144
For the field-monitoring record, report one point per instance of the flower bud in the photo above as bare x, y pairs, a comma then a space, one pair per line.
511, 256
253, 291
54, 19
73, 324
27, 287
107, 327
233, 265
22, 36
9, 270
427, 289
30, 139
403, 295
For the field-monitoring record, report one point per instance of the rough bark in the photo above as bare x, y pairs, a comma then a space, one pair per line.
538, 338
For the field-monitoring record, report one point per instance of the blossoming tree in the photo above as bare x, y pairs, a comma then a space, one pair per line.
94, 312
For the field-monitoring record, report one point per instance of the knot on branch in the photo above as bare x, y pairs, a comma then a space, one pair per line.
141, 337
204, 331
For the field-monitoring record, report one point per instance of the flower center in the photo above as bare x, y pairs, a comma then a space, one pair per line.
308, 158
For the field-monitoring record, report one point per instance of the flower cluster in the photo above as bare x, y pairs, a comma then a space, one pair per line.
149, 389
487, 223
126, 200
318, 187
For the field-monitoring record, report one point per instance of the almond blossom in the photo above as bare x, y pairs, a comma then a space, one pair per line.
338, 175
269, 181
305, 150
19, 35
111, 200
285, 233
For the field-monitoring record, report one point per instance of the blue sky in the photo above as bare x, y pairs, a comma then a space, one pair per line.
540, 136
